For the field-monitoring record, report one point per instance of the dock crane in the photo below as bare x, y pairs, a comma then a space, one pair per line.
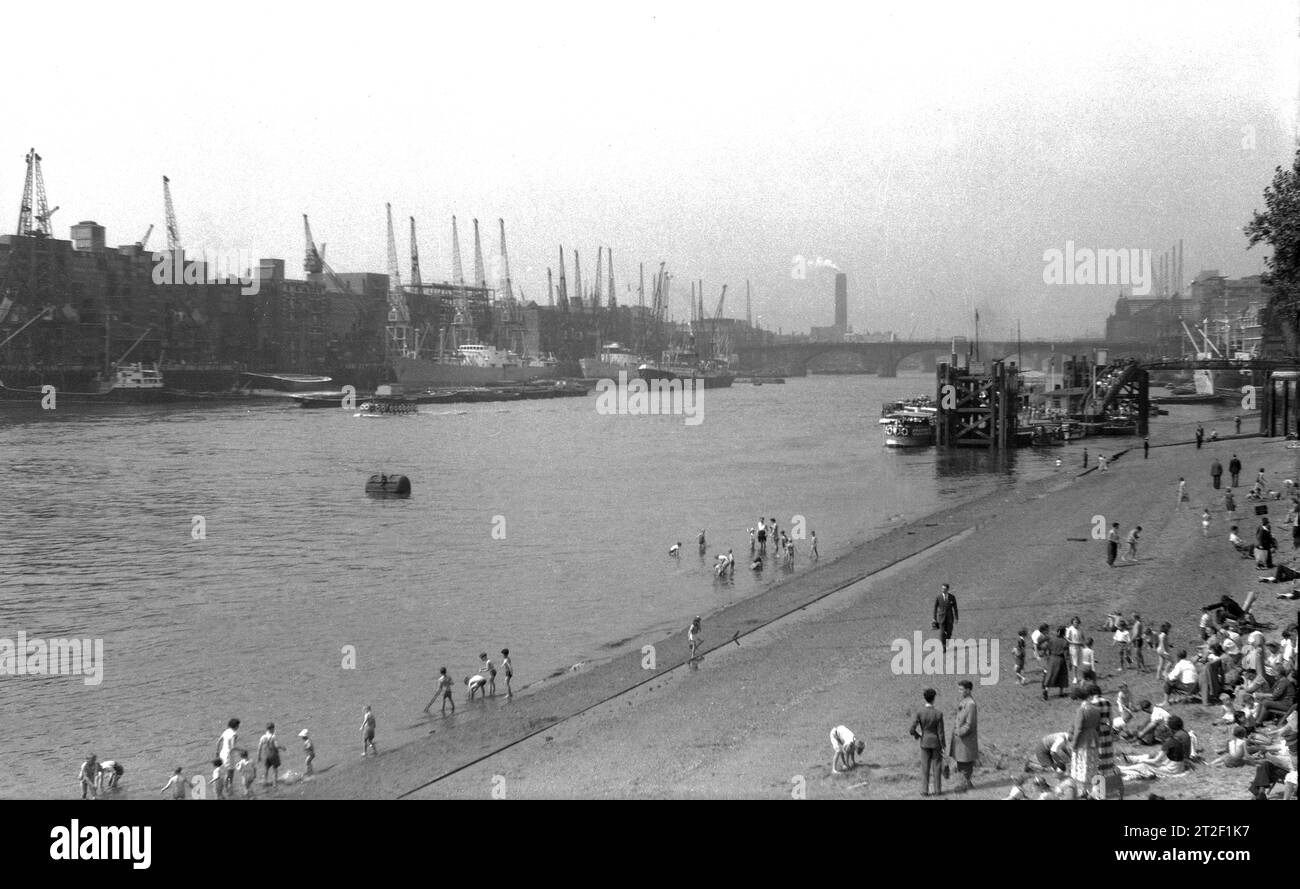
399, 317
143, 243
415, 258
34, 213
314, 263
173, 232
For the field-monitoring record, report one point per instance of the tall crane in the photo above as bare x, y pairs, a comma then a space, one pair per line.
144, 242
314, 263
173, 232
480, 279
34, 213
399, 318
600, 254
505, 264
415, 258
457, 271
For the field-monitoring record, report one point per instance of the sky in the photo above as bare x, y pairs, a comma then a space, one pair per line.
932, 152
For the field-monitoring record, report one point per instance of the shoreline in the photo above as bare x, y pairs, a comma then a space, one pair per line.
456, 744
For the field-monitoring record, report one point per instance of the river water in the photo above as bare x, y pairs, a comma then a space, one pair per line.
542, 527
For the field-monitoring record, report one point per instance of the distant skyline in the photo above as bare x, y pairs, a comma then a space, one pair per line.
931, 153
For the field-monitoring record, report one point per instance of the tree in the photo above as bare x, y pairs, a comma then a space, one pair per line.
1279, 228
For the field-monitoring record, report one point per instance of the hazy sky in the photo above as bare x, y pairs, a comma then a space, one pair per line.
931, 151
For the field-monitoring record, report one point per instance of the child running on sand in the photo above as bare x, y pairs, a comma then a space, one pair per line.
175, 786
368, 733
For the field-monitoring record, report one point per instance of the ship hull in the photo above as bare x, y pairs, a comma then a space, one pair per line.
421, 373
711, 379
595, 369
13, 395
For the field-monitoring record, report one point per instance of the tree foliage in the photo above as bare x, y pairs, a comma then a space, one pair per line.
1278, 226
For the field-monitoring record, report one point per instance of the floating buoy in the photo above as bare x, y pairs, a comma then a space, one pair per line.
383, 485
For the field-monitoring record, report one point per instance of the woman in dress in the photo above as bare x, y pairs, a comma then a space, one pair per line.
1057, 674
1085, 738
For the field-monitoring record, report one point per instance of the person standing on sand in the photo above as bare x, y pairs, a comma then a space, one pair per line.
1057, 675
1216, 473
945, 615
1182, 491
268, 753
1146, 448
964, 746
1200, 436
1229, 504
1139, 641
1085, 458
509, 670
1236, 421
1074, 638
693, 639
444, 691
927, 727
1264, 544
813, 550
368, 733
1132, 541
1112, 544
309, 751
1234, 469
1085, 739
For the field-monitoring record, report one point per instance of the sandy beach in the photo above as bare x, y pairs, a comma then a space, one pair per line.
815, 652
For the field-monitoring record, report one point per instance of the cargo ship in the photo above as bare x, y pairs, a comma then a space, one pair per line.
686, 364
614, 357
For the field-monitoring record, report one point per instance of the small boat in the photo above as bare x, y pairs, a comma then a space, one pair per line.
906, 429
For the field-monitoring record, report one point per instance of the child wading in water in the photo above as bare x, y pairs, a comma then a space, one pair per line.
509, 670
444, 691
175, 786
310, 750
368, 733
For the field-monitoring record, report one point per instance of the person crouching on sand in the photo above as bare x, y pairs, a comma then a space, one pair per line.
476, 683
847, 749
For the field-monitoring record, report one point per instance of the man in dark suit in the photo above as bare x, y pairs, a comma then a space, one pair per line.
945, 614
927, 727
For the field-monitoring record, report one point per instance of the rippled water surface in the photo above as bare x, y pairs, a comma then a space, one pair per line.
95, 542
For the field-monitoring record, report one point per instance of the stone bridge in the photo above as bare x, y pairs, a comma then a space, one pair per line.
792, 359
